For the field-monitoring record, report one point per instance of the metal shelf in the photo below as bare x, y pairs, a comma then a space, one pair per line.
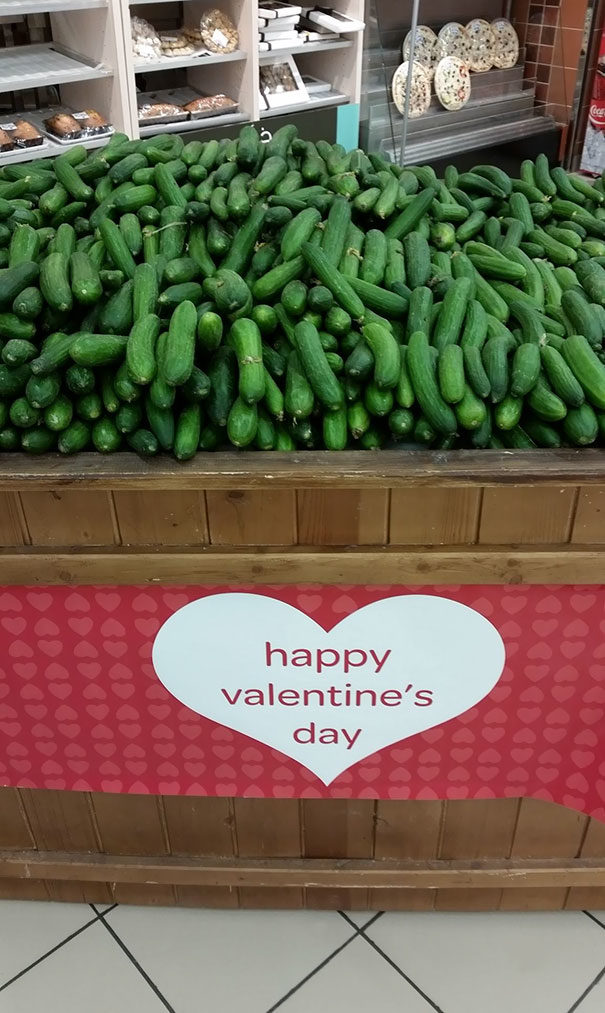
303, 48
331, 98
174, 62
187, 126
8, 8
43, 65
50, 149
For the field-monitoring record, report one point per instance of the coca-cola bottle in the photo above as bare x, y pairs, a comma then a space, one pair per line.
597, 106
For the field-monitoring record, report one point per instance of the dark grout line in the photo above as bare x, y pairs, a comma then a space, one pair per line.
49, 953
395, 967
594, 919
98, 913
319, 967
134, 961
587, 991
365, 925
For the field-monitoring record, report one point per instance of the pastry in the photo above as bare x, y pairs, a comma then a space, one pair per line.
159, 110
452, 83
209, 103
63, 125
506, 44
481, 54
6, 143
92, 121
420, 94
218, 33
424, 48
453, 40
25, 135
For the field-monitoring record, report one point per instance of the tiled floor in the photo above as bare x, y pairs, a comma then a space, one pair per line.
68, 958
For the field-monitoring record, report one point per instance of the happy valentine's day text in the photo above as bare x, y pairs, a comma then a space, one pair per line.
331, 696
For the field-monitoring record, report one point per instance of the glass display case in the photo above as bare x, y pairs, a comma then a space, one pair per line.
486, 74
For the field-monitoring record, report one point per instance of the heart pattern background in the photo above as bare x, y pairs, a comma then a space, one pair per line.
81, 707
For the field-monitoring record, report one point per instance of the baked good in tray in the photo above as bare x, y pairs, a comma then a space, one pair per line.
63, 125
6, 141
209, 104
159, 110
92, 122
420, 92
25, 135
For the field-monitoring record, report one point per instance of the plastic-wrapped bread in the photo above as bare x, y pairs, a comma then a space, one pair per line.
25, 135
6, 143
506, 44
63, 125
424, 48
218, 33
145, 40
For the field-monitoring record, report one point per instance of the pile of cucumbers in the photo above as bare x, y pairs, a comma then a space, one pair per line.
163, 296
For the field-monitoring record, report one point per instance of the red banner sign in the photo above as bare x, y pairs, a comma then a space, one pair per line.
311, 692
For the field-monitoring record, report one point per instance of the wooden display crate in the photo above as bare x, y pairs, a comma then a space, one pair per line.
382, 518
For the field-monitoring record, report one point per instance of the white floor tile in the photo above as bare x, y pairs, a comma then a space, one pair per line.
28, 929
89, 973
235, 959
361, 918
469, 963
356, 980
595, 1000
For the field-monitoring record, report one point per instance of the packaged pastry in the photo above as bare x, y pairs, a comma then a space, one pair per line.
453, 40
176, 44
452, 83
6, 141
210, 105
159, 112
482, 40
218, 33
63, 125
506, 44
145, 40
25, 135
424, 48
420, 92
91, 122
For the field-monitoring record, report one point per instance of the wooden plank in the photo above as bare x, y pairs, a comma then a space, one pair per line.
434, 516
589, 524
477, 829
544, 830
581, 898
557, 565
343, 517
68, 518
312, 469
15, 833
350, 875
202, 826
239, 517
337, 829
11, 527
132, 825
526, 515
63, 820
161, 518
268, 828
25, 889
406, 830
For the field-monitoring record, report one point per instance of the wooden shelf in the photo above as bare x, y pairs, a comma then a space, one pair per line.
172, 63
304, 49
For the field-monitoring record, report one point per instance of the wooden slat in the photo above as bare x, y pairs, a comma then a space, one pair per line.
11, 529
434, 516
161, 518
238, 517
476, 829
337, 829
268, 828
15, 833
63, 820
544, 830
68, 518
554, 565
526, 516
406, 830
342, 517
132, 825
589, 524
351, 875
202, 826
318, 470
579, 898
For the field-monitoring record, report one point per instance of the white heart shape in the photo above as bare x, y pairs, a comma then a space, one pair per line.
216, 646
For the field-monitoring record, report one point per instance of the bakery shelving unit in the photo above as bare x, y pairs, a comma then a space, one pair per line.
84, 62
229, 73
236, 74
